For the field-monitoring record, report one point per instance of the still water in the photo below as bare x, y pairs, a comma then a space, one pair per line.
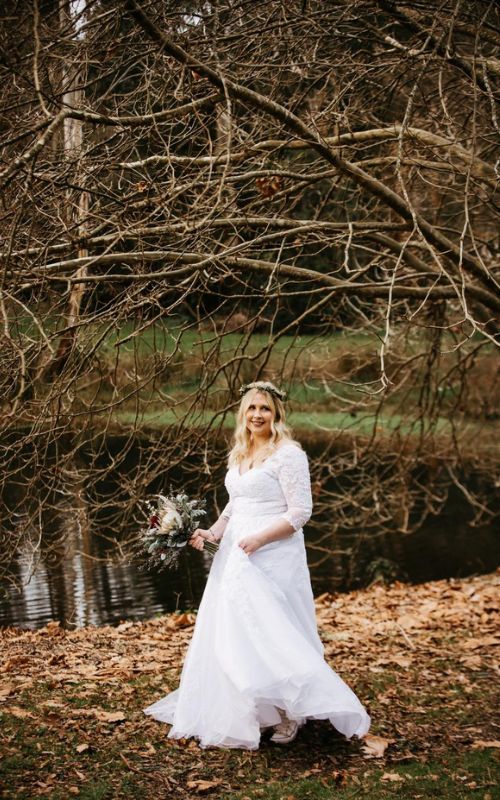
86, 586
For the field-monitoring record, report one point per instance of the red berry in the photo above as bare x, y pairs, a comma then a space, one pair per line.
153, 521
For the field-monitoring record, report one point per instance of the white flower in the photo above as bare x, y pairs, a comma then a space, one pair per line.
166, 504
169, 520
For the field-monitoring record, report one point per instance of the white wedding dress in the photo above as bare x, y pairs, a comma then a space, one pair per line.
255, 646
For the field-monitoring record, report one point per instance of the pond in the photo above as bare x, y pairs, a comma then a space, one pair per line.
84, 583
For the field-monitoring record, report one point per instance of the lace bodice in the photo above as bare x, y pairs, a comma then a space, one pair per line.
280, 486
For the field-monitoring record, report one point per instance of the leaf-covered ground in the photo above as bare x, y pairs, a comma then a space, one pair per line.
421, 658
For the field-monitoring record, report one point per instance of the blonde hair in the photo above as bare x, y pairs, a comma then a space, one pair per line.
242, 438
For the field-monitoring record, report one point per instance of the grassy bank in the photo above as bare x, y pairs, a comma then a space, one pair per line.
333, 383
148, 376
419, 657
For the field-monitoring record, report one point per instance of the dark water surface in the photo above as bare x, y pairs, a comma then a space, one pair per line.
85, 585
80, 591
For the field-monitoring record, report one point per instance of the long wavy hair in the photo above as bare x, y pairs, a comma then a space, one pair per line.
242, 438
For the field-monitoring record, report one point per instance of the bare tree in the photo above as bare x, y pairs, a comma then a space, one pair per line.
198, 195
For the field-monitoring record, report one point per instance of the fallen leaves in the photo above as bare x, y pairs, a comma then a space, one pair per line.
52, 704
108, 716
484, 641
15, 663
20, 713
181, 621
203, 786
408, 621
6, 690
401, 661
474, 662
392, 777
410, 652
53, 628
480, 745
375, 746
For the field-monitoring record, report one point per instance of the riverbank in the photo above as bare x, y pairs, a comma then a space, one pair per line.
420, 658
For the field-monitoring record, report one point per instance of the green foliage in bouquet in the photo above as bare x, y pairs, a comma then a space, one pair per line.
171, 522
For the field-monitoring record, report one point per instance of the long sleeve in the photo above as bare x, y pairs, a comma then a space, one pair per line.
227, 510
295, 483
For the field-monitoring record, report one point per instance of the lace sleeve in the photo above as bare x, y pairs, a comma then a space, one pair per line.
227, 510
295, 482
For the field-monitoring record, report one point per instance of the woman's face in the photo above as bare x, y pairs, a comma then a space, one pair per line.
259, 416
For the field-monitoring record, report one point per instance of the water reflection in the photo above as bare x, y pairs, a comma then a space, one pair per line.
84, 587
82, 590
72, 572
78, 582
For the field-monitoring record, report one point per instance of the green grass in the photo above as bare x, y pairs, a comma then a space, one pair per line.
48, 756
469, 775
299, 420
333, 381
319, 766
163, 335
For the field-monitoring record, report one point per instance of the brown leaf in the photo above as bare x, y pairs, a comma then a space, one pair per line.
339, 776
484, 641
391, 776
81, 748
268, 186
181, 620
375, 746
52, 704
19, 713
7, 688
148, 751
14, 662
124, 626
53, 628
201, 787
108, 716
479, 744
472, 662
402, 661
409, 621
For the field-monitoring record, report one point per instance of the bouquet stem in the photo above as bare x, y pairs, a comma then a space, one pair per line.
210, 547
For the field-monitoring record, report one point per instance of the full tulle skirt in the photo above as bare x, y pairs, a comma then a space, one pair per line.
256, 649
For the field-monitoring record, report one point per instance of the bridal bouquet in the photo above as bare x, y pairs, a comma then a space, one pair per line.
171, 523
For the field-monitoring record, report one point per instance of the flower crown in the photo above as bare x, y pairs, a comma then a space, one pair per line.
265, 387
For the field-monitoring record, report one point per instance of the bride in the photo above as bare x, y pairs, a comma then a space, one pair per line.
255, 659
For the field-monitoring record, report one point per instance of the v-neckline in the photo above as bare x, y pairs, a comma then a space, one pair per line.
251, 469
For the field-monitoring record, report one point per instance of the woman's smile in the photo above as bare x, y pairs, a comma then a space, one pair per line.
259, 416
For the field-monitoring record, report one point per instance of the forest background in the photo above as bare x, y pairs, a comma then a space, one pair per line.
195, 195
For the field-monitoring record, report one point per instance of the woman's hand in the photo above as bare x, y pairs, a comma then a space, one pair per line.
198, 536
249, 544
